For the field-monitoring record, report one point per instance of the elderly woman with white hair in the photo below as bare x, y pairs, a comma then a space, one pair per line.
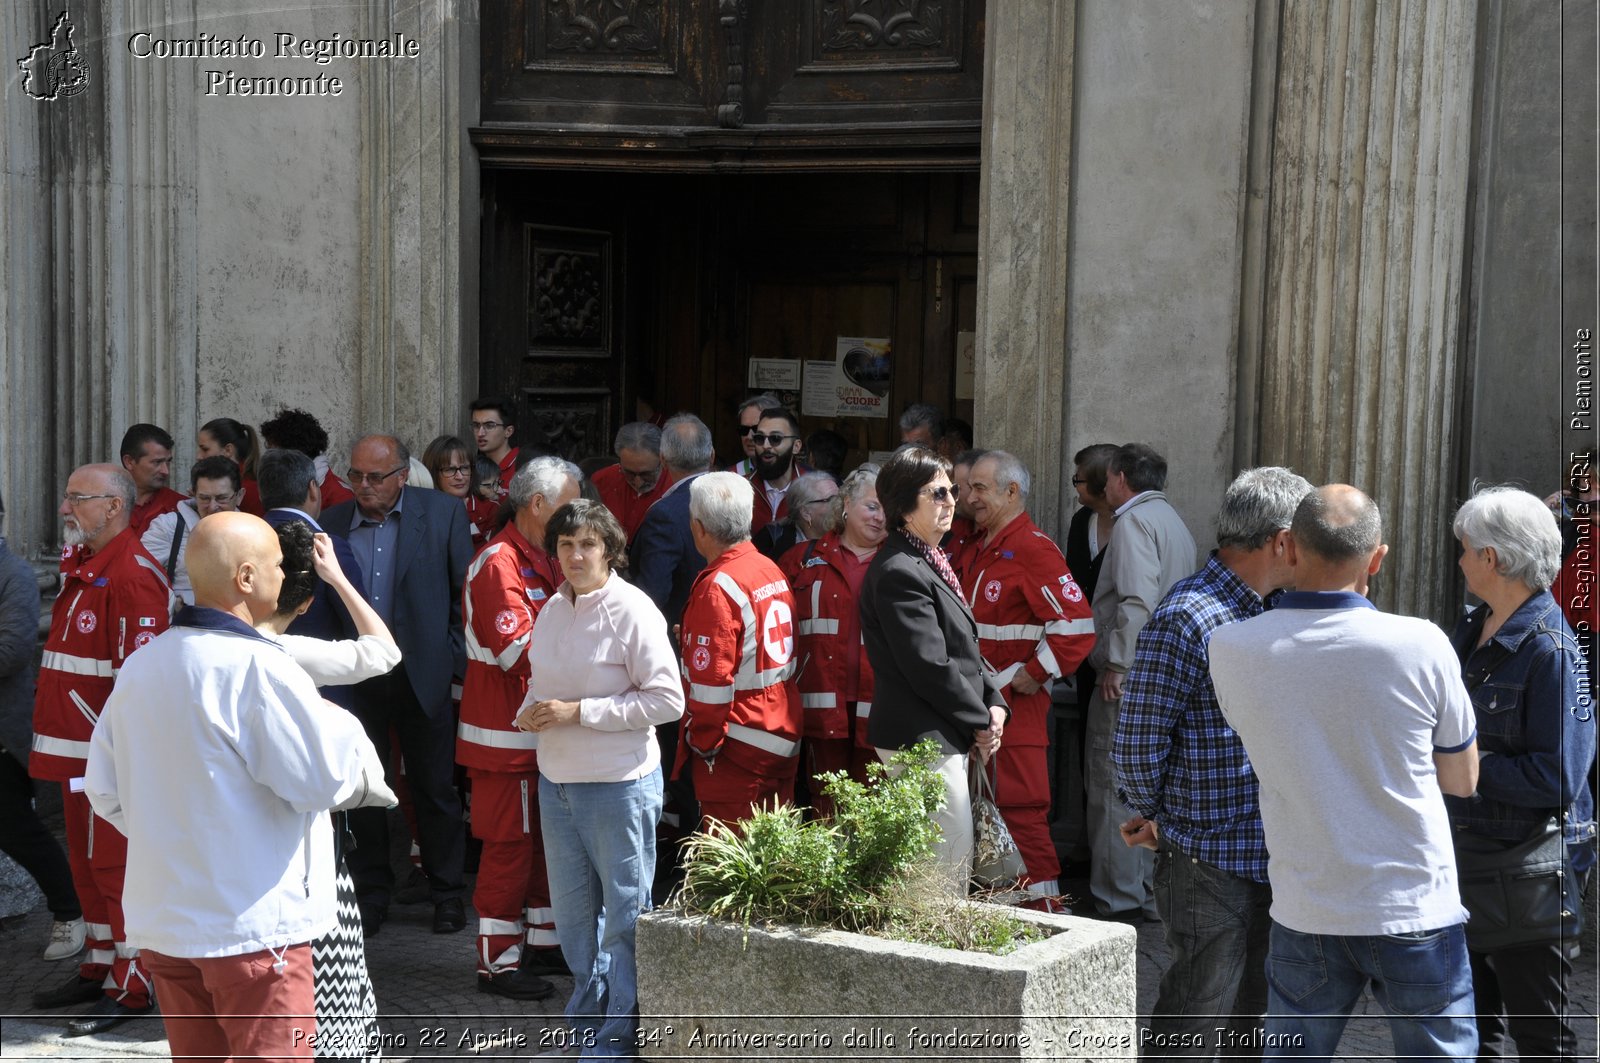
1536, 737
808, 516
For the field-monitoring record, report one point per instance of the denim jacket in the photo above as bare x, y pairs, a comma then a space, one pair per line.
1536, 727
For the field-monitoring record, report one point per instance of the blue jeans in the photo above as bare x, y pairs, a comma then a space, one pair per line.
1422, 980
1214, 991
600, 848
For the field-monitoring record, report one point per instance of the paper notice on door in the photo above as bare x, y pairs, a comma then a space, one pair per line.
819, 396
774, 374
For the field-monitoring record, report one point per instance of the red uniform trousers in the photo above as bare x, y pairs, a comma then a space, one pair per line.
1022, 785
730, 792
98, 853
512, 895
256, 1006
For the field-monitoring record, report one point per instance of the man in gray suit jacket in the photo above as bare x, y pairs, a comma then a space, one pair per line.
1150, 550
413, 547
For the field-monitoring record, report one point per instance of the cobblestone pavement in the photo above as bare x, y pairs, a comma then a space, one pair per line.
431, 1007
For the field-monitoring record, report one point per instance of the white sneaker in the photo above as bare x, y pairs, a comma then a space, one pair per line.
66, 940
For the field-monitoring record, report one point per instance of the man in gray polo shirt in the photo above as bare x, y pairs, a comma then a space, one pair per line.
1354, 721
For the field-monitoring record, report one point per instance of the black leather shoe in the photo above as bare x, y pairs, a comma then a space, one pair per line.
416, 889
545, 961
372, 917
104, 1014
74, 991
449, 916
517, 985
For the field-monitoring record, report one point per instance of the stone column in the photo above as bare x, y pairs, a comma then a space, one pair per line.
417, 348
1365, 249
98, 225
1022, 241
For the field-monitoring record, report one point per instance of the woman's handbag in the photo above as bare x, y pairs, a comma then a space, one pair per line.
1516, 893
996, 863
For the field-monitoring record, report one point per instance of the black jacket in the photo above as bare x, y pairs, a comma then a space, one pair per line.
928, 676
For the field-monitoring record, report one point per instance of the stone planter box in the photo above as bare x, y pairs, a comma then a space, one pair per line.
710, 990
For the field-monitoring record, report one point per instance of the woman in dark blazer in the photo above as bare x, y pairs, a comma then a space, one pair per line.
930, 680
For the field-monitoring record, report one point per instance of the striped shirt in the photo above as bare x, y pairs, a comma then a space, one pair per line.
1177, 761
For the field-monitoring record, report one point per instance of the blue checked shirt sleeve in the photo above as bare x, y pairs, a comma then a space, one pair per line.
1168, 664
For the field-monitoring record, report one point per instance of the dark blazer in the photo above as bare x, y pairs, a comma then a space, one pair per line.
326, 617
922, 641
662, 560
434, 548
19, 644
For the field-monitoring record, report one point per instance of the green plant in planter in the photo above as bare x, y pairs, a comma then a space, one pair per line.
867, 869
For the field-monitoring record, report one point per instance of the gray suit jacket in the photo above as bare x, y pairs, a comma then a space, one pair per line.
1149, 551
433, 550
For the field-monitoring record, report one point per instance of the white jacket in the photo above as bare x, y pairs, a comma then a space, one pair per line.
218, 759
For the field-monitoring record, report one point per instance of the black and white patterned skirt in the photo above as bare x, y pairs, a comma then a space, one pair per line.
347, 1009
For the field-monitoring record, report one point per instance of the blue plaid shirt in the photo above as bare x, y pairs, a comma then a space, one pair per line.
1177, 760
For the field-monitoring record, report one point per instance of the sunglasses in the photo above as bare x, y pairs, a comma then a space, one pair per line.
772, 440
941, 494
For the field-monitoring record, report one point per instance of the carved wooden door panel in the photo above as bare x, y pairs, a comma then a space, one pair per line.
556, 325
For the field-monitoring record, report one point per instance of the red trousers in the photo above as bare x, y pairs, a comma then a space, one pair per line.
834, 754
98, 853
513, 891
259, 1006
1022, 793
729, 792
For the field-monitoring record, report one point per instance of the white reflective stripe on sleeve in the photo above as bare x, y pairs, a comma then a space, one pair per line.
66, 662
543, 939
1009, 674
763, 680
491, 927
1047, 659
61, 747
125, 950
83, 707
863, 709
483, 736
764, 740
1004, 632
157, 569
98, 931
819, 627
509, 655
747, 650
536, 916
1083, 626
816, 597
719, 694
824, 700
100, 956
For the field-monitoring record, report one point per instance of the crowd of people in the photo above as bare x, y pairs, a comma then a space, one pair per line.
577, 664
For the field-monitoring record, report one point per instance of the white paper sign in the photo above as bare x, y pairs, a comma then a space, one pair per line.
818, 395
966, 365
775, 374
865, 371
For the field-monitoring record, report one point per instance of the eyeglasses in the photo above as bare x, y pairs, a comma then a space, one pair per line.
941, 494
771, 440
371, 479
746, 429
215, 500
454, 470
484, 426
818, 501
75, 501
489, 485
1078, 481
642, 474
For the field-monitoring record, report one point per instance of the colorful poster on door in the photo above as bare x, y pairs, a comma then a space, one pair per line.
864, 373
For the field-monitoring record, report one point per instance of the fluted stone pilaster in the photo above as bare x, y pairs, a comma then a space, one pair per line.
1365, 250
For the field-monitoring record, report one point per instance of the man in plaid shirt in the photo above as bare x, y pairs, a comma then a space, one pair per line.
1178, 764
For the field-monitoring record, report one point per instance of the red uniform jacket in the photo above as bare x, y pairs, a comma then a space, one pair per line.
480, 518
163, 501
110, 605
1032, 616
507, 584
762, 513
626, 504
962, 544
334, 490
739, 664
835, 671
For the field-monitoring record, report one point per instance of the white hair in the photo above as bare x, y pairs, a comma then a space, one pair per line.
542, 476
1520, 528
1008, 470
723, 503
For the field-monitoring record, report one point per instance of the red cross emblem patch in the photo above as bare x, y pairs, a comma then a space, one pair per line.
701, 658
505, 622
991, 590
777, 632
87, 621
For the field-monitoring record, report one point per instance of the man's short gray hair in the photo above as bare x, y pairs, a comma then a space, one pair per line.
1520, 527
686, 444
1008, 469
542, 476
638, 435
722, 502
767, 400
923, 415
1337, 531
1259, 504
122, 485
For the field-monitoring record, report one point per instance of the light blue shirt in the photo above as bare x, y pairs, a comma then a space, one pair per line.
376, 545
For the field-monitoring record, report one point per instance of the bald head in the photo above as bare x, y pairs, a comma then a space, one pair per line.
1337, 524
233, 561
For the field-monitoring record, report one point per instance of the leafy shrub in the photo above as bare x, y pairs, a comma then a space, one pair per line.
868, 869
